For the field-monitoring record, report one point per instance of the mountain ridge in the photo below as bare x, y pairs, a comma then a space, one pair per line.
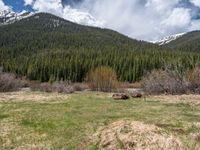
9, 16
187, 42
169, 39
27, 46
46, 47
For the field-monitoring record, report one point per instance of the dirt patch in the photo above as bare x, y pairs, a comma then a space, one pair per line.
195, 137
197, 124
193, 100
135, 135
25, 96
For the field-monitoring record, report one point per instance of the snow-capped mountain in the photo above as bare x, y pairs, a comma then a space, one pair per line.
8, 16
169, 39
73, 15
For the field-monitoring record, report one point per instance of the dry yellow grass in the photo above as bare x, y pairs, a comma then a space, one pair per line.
26, 96
193, 100
13, 132
93, 120
125, 134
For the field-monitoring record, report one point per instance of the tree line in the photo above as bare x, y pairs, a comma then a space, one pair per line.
73, 64
39, 50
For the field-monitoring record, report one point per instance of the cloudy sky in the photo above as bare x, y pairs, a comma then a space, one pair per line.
141, 19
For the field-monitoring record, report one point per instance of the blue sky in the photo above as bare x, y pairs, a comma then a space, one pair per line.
17, 5
141, 19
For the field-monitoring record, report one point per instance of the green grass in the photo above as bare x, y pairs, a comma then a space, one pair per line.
70, 123
2, 116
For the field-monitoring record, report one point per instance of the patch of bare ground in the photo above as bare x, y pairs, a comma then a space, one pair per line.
193, 100
127, 135
197, 124
25, 96
195, 138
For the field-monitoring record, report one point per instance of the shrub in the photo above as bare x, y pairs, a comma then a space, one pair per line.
194, 80
58, 86
102, 79
9, 82
168, 82
80, 86
127, 85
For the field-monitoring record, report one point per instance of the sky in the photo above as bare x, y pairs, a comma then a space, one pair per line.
141, 19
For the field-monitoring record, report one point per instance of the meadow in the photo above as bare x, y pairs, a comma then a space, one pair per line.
93, 120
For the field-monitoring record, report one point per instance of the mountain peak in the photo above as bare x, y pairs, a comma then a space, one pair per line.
8, 16
169, 39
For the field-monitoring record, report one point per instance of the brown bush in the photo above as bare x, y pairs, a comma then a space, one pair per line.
58, 86
102, 79
127, 85
9, 82
168, 82
80, 86
194, 80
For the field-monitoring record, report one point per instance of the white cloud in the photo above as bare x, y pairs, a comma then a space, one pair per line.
178, 19
53, 6
141, 19
196, 2
195, 25
28, 2
66, 12
3, 6
80, 17
160, 5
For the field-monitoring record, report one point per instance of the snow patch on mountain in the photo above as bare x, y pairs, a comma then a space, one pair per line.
8, 16
169, 39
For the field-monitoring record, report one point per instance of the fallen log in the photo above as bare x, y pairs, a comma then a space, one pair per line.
136, 95
120, 96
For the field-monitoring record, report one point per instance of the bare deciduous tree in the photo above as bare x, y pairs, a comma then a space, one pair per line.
102, 79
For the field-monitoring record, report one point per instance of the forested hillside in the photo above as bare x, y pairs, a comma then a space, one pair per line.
44, 47
188, 42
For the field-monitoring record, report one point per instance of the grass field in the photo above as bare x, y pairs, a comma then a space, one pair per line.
35, 120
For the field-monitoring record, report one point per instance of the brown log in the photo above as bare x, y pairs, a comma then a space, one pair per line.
120, 96
136, 95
